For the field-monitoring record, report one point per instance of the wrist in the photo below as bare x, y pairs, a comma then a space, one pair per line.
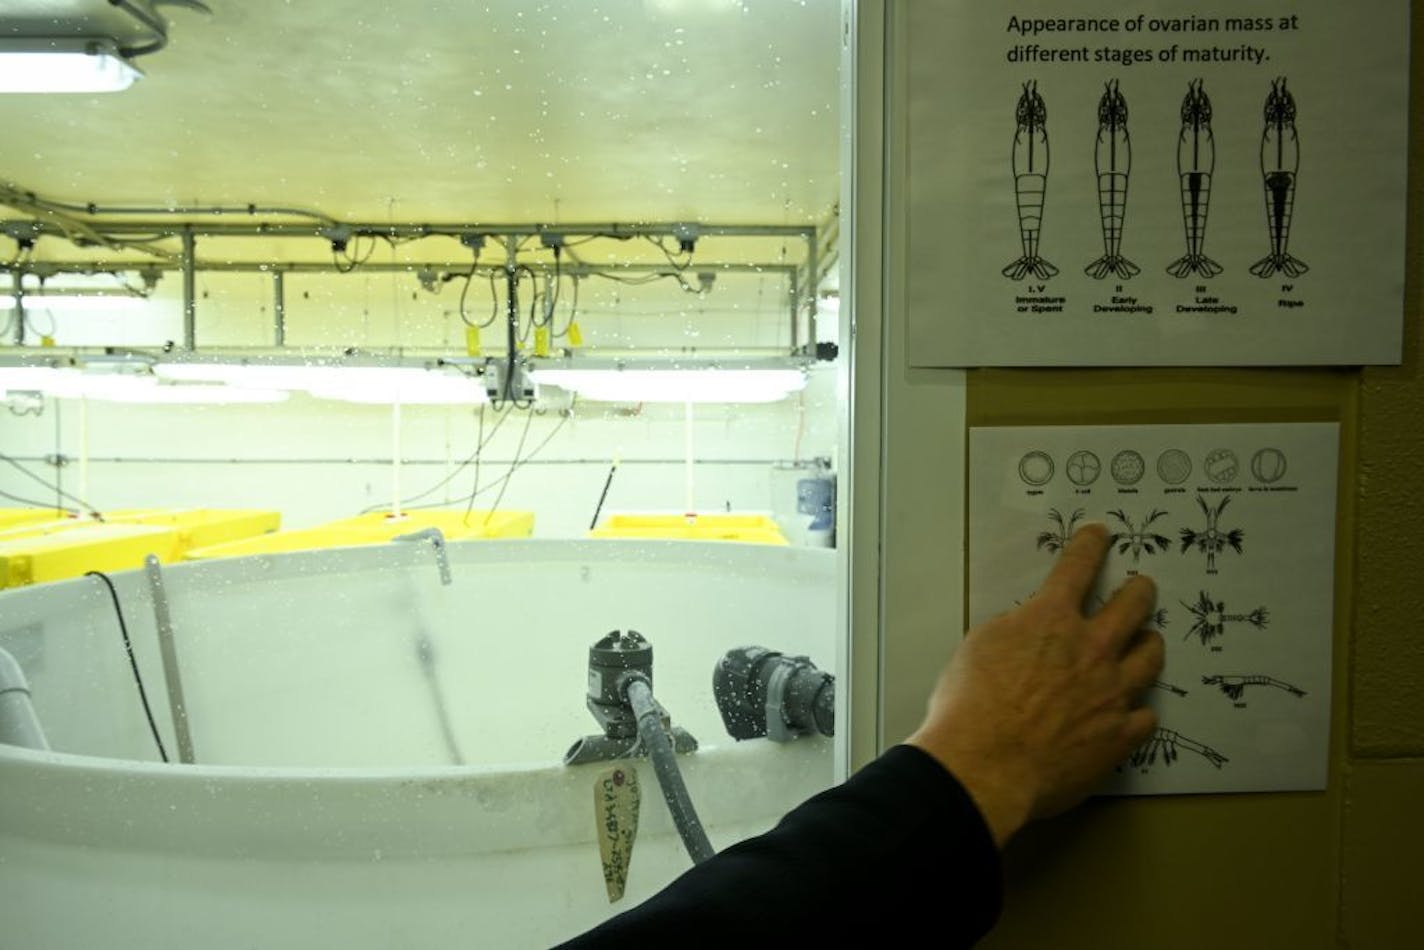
1004, 798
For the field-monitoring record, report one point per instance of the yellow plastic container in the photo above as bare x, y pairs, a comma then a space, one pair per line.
40, 558
377, 528
17, 517
34, 529
747, 529
452, 522
202, 527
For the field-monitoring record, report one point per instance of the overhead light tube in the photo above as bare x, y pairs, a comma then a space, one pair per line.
64, 65
675, 385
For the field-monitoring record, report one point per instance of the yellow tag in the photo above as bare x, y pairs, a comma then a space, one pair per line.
616, 801
541, 341
46, 341
575, 335
472, 341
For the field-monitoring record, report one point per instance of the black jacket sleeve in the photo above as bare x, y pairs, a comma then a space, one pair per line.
901, 841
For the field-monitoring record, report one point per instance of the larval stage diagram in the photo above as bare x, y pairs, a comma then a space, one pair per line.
1210, 617
1030, 165
1212, 539
1166, 745
1248, 648
1234, 686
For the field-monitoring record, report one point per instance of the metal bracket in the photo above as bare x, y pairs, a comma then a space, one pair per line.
166, 649
437, 540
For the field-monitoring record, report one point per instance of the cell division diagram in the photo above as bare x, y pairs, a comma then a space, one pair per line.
1165, 744
1209, 618
1112, 160
1083, 468
1030, 164
1139, 539
1196, 163
1234, 687
1213, 539
1280, 163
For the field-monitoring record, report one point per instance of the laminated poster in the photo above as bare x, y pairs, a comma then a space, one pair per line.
1236, 524
1170, 183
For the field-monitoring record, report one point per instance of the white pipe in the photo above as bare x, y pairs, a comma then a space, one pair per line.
83, 449
18, 723
395, 459
688, 508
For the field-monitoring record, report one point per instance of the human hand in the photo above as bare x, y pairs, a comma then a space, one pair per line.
1038, 704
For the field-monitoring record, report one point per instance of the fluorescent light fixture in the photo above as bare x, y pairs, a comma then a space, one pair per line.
125, 387
29, 378
409, 385
64, 65
675, 385
65, 302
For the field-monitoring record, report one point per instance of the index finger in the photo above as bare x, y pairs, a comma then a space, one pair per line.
1077, 568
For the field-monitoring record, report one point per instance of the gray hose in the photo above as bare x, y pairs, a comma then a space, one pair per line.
18, 723
655, 740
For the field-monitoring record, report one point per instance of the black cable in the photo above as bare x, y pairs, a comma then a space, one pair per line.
133, 661
465, 291
481, 441
52, 487
659, 243
528, 419
517, 465
37, 504
603, 497
573, 311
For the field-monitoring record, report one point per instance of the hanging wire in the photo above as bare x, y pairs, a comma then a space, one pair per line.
573, 310
133, 661
59, 492
48, 506
512, 469
481, 441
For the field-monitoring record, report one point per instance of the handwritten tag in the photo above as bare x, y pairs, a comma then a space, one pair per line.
616, 801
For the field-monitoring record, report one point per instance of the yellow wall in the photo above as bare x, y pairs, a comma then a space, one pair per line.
1340, 868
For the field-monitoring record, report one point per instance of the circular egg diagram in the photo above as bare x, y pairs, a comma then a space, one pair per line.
1174, 466
1221, 465
1127, 467
1268, 465
1036, 468
1083, 467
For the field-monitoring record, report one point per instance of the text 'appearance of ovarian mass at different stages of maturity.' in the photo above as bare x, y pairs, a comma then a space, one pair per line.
1136, 26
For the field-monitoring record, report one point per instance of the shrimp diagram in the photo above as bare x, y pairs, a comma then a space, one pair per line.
1030, 162
1196, 160
1112, 159
1280, 161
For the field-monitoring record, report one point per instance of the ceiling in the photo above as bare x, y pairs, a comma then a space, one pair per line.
450, 110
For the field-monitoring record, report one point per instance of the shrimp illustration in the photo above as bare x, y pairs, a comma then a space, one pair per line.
1030, 182
1280, 161
1233, 686
1196, 160
1112, 159
1166, 744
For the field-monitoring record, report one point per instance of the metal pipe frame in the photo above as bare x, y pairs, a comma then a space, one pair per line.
160, 227
52, 268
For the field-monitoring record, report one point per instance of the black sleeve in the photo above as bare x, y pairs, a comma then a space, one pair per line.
901, 841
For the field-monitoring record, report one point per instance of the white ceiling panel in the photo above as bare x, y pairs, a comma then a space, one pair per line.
442, 110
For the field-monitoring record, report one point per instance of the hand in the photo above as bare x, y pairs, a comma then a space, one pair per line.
1037, 705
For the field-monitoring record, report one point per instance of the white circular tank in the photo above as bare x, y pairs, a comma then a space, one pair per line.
377, 755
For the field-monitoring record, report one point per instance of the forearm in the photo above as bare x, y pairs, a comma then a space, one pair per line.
900, 838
